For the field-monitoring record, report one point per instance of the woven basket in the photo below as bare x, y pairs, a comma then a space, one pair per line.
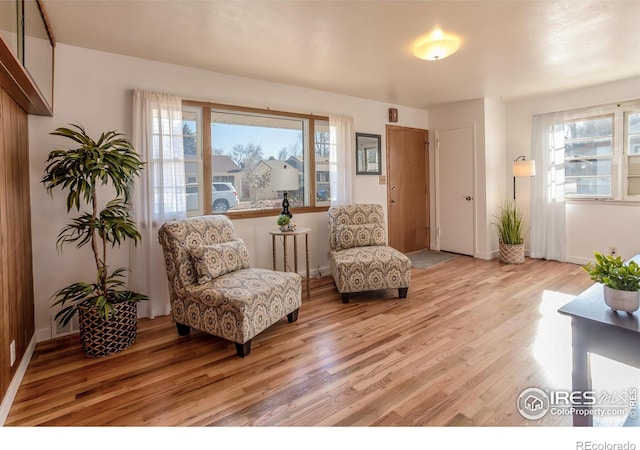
105, 337
511, 253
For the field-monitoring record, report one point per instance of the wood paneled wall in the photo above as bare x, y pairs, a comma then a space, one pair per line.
16, 275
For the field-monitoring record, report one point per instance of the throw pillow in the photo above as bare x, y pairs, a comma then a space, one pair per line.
351, 236
211, 261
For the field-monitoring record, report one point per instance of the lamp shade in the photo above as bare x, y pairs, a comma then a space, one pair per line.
524, 168
285, 179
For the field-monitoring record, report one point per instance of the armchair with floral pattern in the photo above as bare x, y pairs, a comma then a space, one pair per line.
359, 256
213, 288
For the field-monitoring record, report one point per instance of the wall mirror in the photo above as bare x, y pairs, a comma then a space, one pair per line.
368, 154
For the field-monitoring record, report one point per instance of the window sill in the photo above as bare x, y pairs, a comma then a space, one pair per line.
603, 201
273, 212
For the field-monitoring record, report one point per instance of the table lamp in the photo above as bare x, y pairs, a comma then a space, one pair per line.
285, 179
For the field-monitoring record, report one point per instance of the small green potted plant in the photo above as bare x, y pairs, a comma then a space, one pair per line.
621, 281
509, 222
283, 221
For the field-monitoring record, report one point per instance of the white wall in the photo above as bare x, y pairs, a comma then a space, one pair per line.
95, 89
591, 226
495, 169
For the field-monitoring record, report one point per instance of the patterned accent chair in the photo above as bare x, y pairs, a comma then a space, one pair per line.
213, 289
359, 256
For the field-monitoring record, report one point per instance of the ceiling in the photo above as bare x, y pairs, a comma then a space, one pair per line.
509, 50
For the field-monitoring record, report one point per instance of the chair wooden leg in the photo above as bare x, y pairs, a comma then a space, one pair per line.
243, 349
293, 316
402, 292
183, 330
345, 297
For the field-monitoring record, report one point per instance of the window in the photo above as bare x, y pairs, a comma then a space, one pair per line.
588, 146
322, 148
192, 159
238, 150
602, 153
632, 145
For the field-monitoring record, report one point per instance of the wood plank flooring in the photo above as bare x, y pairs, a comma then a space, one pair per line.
471, 335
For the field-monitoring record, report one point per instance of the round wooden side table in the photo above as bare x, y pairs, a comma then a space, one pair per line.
285, 235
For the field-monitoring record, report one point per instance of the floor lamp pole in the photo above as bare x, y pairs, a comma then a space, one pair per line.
514, 188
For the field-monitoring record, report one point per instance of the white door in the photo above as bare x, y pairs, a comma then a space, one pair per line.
455, 206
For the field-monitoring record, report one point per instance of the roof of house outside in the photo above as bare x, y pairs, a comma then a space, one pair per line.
224, 164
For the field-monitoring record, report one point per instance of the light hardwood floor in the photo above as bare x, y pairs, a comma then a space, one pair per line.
471, 335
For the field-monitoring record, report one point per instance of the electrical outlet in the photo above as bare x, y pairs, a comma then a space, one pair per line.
12, 351
613, 251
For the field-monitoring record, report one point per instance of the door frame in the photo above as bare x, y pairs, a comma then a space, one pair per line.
437, 178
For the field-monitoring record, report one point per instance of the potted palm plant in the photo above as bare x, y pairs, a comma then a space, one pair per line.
509, 222
621, 281
107, 312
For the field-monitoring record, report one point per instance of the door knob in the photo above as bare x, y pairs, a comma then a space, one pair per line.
468, 198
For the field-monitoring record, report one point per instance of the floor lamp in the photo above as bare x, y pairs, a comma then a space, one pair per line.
285, 179
522, 168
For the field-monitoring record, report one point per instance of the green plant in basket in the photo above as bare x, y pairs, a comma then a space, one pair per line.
109, 161
614, 272
509, 224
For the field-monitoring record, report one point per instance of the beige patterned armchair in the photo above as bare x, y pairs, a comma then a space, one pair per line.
213, 289
359, 256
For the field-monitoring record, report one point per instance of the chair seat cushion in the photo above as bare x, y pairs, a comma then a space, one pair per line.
239, 305
370, 268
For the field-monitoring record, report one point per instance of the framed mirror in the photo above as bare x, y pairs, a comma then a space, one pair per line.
368, 154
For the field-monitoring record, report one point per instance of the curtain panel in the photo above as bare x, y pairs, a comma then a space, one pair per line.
158, 196
342, 151
547, 239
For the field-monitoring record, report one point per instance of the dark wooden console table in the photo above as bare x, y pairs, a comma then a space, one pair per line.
595, 328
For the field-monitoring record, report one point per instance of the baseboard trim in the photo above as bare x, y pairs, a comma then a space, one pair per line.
16, 381
577, 260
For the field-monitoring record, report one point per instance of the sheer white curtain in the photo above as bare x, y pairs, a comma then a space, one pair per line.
548, 236
159, 195
342, 149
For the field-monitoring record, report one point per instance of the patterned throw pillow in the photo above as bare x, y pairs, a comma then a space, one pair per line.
350, 236
211, 261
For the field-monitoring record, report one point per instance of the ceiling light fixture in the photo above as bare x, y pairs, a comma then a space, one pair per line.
436, 45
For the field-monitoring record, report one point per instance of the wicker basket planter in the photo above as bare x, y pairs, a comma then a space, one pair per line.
511, 253
106, 337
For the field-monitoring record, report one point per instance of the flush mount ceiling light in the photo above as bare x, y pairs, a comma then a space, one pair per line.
436, 45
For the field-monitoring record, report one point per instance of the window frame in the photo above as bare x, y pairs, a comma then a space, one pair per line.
206, 151
619, 156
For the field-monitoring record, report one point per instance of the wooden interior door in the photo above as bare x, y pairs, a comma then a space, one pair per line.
408, 188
